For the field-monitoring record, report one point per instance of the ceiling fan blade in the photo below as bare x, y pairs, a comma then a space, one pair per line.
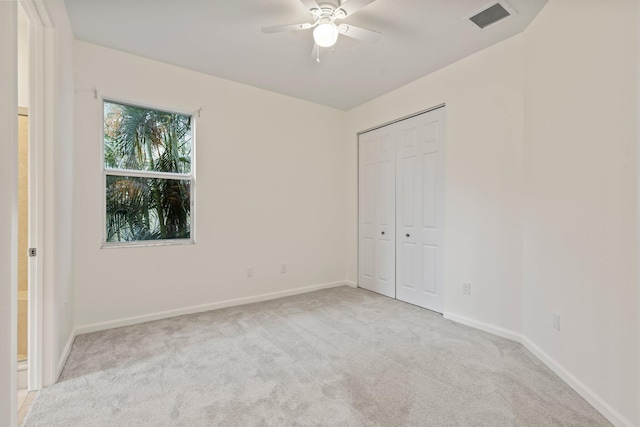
288, 27
310, 4
352, 6
315, 53
359, 33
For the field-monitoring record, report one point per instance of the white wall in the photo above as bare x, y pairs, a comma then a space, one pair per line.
483, 220
542, 191
270, 190
8, 212
638, 212
23, 60
580, 254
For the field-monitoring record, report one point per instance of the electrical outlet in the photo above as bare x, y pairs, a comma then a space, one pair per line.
556, 321
466, 288
249, 272
283, 268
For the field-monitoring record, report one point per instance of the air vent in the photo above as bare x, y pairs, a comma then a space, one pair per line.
491, 14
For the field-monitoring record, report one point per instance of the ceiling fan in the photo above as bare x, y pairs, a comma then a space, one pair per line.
326, 29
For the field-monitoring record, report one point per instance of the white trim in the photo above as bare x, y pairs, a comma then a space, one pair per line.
146, 243
409, 116
101, 326
48, 233
495, 330
589, 395
121, 101
351, 283
38, 19
147, 174
191, 177
43, 57
637, 256
65, 354
8, 213
42, 234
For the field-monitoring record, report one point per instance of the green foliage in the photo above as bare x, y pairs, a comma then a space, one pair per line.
142, 139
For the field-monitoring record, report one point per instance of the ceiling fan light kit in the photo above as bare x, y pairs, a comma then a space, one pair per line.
325, 29
325, 35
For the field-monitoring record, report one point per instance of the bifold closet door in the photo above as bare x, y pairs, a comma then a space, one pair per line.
401, 210
377, 211
420, 210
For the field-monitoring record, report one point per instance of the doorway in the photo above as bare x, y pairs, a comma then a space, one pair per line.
37, 53
401, 209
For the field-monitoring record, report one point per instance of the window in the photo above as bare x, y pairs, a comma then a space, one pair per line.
148, 171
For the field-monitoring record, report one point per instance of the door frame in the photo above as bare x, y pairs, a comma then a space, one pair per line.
42, 327
8, 213
408, 116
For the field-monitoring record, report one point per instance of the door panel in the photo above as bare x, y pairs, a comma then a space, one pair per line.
377, 212
367, 177
430, 130
366, 267
384, 251
409, 137
408, 265
429, 271
367, 187
420, 190
385, 192
407, 207
429, 190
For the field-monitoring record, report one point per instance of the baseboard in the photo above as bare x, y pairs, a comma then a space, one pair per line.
65, 354
350, 283
101, 326
495, 330
589, 395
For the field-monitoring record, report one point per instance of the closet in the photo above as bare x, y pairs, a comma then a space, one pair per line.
401, 209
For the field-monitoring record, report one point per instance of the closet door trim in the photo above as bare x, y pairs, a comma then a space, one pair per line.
399, 120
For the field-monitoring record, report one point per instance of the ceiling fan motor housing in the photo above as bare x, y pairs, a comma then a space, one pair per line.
328, 10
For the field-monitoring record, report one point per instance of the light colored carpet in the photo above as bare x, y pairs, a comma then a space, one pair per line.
340, 356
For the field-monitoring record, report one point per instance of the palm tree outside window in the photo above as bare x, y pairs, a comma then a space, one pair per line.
148, 171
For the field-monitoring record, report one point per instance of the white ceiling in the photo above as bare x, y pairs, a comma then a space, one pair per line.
223, 38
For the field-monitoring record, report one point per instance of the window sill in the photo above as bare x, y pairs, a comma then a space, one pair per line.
147, 243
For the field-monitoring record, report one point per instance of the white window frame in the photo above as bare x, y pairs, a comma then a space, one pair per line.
145, 174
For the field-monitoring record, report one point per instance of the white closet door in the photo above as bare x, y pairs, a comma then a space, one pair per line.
377, 211
420, 210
